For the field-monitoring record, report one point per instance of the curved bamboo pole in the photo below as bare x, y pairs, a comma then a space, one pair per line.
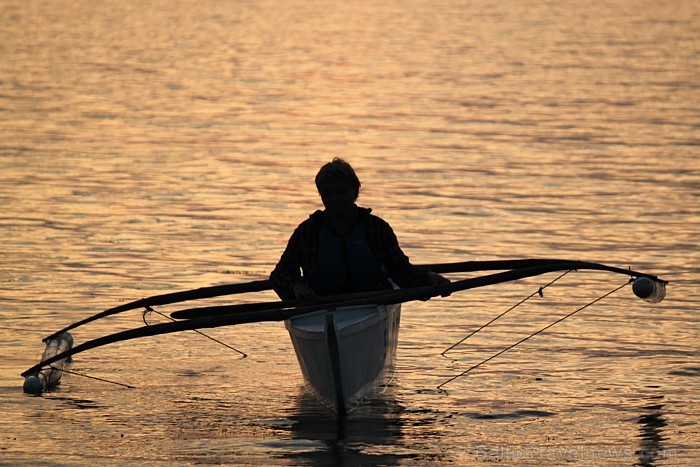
280, 314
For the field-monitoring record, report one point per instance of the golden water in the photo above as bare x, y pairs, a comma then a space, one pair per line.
152, 146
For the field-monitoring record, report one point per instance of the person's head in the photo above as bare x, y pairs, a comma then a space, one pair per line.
337, 184
337, 171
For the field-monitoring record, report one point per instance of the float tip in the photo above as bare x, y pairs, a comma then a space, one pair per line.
649, 290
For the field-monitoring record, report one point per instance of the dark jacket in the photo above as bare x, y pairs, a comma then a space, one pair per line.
303, 247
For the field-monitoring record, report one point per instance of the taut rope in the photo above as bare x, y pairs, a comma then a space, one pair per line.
439, 387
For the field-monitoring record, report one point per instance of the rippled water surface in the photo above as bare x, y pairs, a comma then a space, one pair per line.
150, 146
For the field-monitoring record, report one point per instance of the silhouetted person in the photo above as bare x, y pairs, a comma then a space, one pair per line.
344, 248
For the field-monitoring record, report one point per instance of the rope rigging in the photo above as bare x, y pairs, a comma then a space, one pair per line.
537, 292
465, 372
71, 372
148, 310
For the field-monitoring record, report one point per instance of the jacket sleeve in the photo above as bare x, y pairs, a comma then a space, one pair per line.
288, 269
397, 264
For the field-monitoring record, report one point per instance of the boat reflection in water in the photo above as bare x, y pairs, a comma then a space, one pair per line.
375, 433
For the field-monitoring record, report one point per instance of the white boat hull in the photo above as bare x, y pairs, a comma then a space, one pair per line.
346, 354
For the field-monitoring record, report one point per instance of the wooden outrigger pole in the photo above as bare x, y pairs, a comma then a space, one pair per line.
263, 285
646, 286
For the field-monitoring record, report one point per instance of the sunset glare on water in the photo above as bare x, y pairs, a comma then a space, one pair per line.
149, 147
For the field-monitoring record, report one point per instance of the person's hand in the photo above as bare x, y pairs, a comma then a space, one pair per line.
437, 279
304, 293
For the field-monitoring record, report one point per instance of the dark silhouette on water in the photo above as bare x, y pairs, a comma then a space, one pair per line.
344, 248
651, 437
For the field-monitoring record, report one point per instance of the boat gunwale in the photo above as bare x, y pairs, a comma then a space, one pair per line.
344, 327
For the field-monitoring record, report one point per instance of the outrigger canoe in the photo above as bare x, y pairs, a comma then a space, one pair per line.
345, 345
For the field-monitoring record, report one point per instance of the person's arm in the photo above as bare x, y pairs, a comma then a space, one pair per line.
397, 263
288, 269
386, 247
286, 278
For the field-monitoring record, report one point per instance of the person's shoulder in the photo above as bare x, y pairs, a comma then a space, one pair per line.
314, 220
308, 227
316, 217
365, 214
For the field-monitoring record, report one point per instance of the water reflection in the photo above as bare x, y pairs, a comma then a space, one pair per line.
651, 438
347, 440
69, 403
373, 434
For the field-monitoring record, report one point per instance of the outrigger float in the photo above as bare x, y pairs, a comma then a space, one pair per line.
50, 376
345, 345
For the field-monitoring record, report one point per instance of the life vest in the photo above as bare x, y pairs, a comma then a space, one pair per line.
345, 263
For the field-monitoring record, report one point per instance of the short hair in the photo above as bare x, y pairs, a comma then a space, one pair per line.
338, 169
